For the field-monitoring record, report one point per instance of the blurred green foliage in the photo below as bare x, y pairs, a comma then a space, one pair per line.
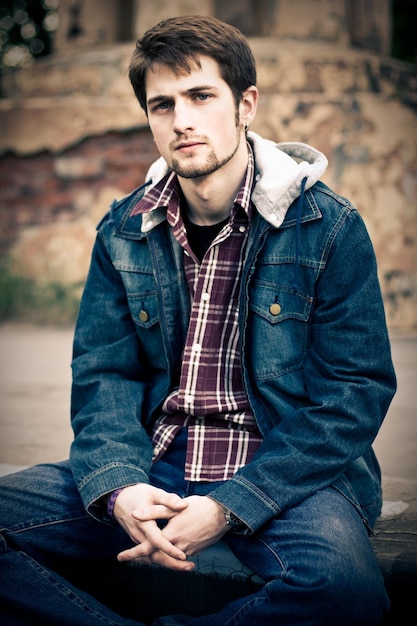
22, 299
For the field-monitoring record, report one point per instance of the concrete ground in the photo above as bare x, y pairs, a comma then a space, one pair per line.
35, 379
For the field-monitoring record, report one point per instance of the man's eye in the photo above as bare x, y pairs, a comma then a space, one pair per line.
161, 106
202, 96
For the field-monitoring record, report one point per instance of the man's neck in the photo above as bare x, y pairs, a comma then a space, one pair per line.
210, 198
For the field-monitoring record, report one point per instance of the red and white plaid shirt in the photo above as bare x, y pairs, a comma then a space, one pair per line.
210, 400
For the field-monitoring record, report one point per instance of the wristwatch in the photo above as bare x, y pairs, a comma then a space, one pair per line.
232, 520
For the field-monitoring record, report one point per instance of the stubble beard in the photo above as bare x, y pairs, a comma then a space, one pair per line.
211, 164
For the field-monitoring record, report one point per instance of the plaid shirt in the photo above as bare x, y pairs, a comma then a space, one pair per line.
210, 400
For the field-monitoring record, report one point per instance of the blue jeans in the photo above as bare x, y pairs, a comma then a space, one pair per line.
316, 558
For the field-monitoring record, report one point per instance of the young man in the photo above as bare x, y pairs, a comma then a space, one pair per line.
231, 369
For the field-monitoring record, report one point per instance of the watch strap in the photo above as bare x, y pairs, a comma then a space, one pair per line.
232, 520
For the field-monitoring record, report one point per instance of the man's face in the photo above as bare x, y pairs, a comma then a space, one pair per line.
193, 118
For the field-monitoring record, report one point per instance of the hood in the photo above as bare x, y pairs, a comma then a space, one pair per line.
282, 172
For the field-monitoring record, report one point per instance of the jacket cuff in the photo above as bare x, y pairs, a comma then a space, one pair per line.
247, 502
106, 480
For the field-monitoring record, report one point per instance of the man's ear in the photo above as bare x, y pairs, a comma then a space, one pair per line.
248, 105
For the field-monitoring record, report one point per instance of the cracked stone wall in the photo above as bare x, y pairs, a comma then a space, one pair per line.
73, 138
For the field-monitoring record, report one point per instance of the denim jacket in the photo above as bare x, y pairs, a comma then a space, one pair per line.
317, 368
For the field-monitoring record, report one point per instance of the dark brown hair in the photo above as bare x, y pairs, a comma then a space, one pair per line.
179, 41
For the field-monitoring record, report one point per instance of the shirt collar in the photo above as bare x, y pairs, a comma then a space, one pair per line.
166, 195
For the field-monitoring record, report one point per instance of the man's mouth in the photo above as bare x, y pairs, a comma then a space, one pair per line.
187, 146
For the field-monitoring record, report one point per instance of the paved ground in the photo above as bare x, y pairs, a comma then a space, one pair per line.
35, 378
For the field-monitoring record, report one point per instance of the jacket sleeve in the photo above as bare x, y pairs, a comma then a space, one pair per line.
111, 448
326, 412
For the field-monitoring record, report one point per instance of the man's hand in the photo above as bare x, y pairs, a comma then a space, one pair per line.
149, 505
197, 527
199, 524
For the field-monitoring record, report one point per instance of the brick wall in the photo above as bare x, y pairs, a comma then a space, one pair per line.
46, 187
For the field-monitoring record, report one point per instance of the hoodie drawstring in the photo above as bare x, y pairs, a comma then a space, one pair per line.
298, 231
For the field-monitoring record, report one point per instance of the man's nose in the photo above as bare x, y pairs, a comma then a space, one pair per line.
182, 118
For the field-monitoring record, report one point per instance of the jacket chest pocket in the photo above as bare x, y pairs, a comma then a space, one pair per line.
278, 328
143, 308
141, 295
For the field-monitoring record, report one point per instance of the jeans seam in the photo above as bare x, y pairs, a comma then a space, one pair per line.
273, 552
42, 523
235, 618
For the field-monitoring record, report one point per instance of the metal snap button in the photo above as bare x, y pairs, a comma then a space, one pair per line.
275, 309
143, 316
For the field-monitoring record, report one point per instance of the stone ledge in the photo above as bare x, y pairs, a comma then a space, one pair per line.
32, 125
60, 100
